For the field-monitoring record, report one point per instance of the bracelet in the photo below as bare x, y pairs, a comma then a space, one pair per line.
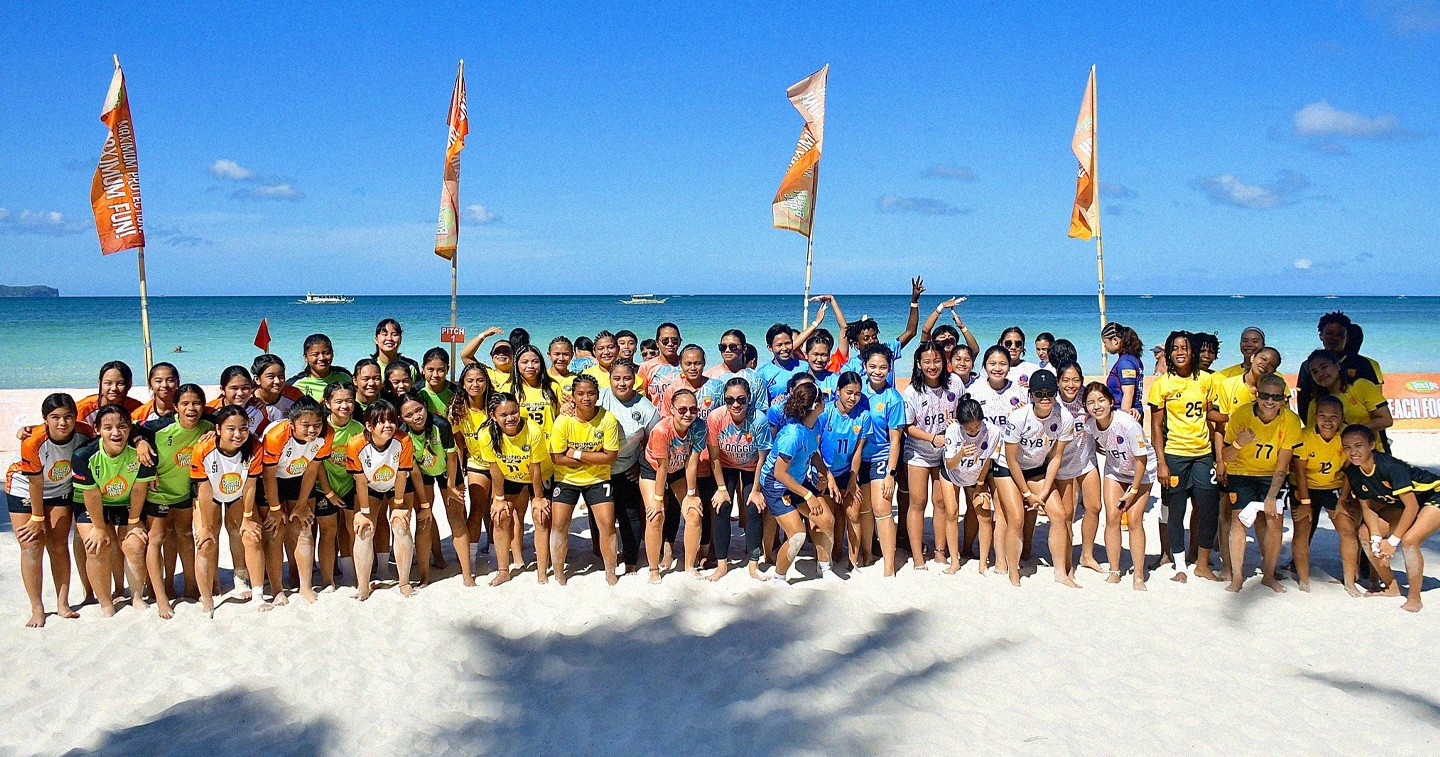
248, 514
722, 490
425, 506
37, 519
273, 508
1394, 540
915, 305
1304, 501
691, 492
364, 511
134, 521
939, 309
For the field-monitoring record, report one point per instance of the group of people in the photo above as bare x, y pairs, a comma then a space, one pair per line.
842, 440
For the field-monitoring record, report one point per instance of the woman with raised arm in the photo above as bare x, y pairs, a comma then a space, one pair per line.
39, 490
1035, 440
1260, 440
1129, 473
225, 470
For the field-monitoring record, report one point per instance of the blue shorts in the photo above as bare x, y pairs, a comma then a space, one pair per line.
21, 505
780, 501
874, 470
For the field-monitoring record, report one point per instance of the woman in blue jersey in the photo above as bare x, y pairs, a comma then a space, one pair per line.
844, 426
929, 409
782, 481
1127, 376
880, 462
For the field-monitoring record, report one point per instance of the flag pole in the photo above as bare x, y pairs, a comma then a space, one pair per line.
810, 244
1099, 246
454, 292
145, 312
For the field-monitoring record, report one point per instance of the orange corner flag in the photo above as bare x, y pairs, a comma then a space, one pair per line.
1085, 217
115, 190
262, 336
447, 234
794, 204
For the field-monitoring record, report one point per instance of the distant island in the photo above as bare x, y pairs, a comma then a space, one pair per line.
30, 291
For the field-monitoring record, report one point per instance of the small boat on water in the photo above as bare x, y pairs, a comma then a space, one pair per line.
1332, 297
1147, 296
325, 299
644, 299
1237, 296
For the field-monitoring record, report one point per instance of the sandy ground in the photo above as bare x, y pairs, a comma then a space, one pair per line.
921, 661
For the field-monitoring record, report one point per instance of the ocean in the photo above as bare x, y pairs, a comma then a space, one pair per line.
61, 342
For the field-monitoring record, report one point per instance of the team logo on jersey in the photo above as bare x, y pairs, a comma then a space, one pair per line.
1054, 426
115, 487
383, 475
635, 415
857, 428
1014, 402
182, 456
427, 457
58, 472
132, 467
879, 407
297, 466
230, 483
599, 435
1119, 440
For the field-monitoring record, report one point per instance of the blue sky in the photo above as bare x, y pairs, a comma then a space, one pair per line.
1284, 147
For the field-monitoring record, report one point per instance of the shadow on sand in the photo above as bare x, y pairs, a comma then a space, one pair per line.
1423, 707
231, 722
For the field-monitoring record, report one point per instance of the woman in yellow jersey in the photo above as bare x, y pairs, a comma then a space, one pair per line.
538, 393
1260, 441
513, 447
582, 447
607, 351
561, 352
1252, 340
501, 358
1320, 485
469, 415
1239, 390
1180, 400
1363, 401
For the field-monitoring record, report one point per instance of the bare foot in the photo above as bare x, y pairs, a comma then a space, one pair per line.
1274, 585
1015, 578
207, 606
1180, 578
265, 607
139, 603
667, 557
37, 619
89, 599
920, 565
1353, 591
1411, 605
163, 608
192, 593
406, 590
654, 576
470, 580
693, 572
363, 595
66, 612
612, 579
1206, 573
1304, 585
1139, 584
560, 577
309, 595
107, 611
983, 568
953, 569
1065, 580
756, 574
1113, 578
1233, 587
719, 573
1091, 564
438, 562
1393, 590
245, 596
280, 600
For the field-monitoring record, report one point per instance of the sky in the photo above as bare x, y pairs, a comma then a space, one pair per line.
1280, 147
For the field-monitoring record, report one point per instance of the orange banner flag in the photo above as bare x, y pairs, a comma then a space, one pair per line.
115, 190
794, 204
447, 235
1085, 217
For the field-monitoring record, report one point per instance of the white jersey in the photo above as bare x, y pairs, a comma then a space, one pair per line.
999, 403
226, 474
1038, 436
635, 419
1079, 455
381, 467
1020, 373
960, 386
43, 458
987, 444
1120, 444
931, 410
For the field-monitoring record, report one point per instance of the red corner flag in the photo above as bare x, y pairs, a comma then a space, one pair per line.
262, 336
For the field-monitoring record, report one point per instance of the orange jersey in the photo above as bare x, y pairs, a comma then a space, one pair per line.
50, 461
380, 467
226, 474
86, 407
291, 457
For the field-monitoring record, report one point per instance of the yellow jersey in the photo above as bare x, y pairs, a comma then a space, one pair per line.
468, 432
563, 383
1258, 458
601, 375
499, 380
1359, 398
516, 453
1237, 369
1324, 461
533, 404
599, 434
1185, 402
1233, 392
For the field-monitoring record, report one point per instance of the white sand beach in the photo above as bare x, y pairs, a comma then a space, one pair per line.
923, 661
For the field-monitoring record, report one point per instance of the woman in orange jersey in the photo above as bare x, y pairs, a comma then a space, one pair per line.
381, 460
39, 493
224, 469
671, 465
164, 382
270, 388
295, 450
116, 380
238, 388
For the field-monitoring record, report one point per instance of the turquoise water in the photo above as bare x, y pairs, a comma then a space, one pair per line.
61, 342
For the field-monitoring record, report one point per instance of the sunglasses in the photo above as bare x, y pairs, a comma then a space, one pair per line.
687, 410
1043, 394
1008, 343
737, 400
669, 340
730, 347
502, 351
1270, 396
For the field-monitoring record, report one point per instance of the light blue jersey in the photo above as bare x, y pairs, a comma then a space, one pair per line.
841, 433
887, 411
796, 443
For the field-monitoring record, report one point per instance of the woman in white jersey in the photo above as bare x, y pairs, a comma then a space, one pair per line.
381, 460
1129, 474
929, 409
1079, 479
971, 445
997, 394
1035, 441
1013, 340
225, 470
295, 452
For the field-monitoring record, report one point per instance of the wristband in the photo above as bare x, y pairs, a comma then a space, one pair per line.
939, 309
691, 492
574, 454
37, 519
273, 508
1304, 501
364, 511
722, 490
658, 498
1375, 539
248, 514
915, 305
809, 496
135, 521
966, 329
425, 506
1394, 540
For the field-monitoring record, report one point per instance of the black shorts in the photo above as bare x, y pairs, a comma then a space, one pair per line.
158, 510
842, 480
21, 505
324, 508
1324, 499
1030, 474
289, 489
513, 488
570, 494
1246, 489
1188, 473
440, 478
650, 474
115, 515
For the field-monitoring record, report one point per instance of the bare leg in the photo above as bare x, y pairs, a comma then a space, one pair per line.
605, 519
882, 510
919, 479
692, 518
135, 551
1062, 537
82, 558
98, 565
1345, 527
364, 552
501, 521
239, 557
159, 528
32, 556
206, 526
1009, 529
1113, 491
426, 542
1089, 491
1300, 545
1426, 523
57, 543
985, 529
544, 525
1269, 532
1136, 519
302, 535
460, 536
949, 499
329, 529
654, 525
1237, 551
274, 548
404, 543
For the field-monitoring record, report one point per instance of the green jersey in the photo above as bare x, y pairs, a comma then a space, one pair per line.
173, 447
437, 402
341, 482
433, 448
314, 385
114, 477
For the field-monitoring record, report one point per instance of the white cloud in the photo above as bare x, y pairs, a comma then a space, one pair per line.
959, 173
927, 206
1228, 189
1321, 119
39, 222
1116, 191
269, 191
1303, 264
224, 168
1406, 17
478, 214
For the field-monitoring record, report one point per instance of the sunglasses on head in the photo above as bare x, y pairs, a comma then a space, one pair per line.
1270, 396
